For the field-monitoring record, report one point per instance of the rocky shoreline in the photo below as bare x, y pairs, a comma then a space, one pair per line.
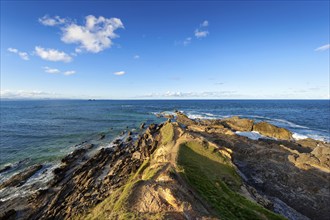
281, 174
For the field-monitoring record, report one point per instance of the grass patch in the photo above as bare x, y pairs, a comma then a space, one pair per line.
213, 177
167, 133
114, 207
151, 171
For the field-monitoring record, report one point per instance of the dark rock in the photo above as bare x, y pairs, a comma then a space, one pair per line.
6, 168
117, 141
142, 125
129, 133
20, 178
101, 136
8, 215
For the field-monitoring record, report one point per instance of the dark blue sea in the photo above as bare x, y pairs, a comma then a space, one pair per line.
46, 130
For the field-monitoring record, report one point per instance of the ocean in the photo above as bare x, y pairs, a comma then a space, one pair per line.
44, 131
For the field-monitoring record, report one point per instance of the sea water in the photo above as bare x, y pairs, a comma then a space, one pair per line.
44, 131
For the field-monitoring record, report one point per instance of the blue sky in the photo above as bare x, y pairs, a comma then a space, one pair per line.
165, 50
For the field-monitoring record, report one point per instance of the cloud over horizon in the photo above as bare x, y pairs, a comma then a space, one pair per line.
23, 94
22, 55
213, 94
52, 55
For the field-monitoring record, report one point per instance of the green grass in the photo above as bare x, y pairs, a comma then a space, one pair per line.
114, 207
167, 133
217, 182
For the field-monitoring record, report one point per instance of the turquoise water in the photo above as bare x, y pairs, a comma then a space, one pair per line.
44, 131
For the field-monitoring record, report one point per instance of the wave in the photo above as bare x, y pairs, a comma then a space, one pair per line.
36, 182
254, 135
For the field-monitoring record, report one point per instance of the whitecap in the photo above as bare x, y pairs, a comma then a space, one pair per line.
297, 136
254, 135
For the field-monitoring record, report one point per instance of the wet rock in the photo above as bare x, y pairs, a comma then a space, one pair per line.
8, 215
142, 125
273, 131
101, 137
6, 168
20, 178
238, 124
73, 156
129, 133
117, 141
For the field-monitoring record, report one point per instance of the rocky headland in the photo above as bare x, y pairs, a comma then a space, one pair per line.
184, 169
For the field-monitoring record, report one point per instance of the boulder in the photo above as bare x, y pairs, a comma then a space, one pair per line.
20, 178
6, 168
272, 131
311, 143
238, 124
183, 119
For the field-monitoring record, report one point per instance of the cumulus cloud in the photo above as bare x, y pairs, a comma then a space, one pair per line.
119, 73
57, 71
52, 55
22, 55
323, 48
95, 36
48, 21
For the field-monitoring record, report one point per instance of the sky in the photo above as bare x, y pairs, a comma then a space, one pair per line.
165, 49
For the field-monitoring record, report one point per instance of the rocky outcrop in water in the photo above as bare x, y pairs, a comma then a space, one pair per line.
273, 131
238, 124
20, 178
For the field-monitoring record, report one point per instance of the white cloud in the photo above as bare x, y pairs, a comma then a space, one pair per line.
205, 23
68, 73
187, 41
51, 70
212, 94
22, 94
12, 50
95, 36
201, 34
57, 71
136, 57
52, 55
323, 48
22, 55
119, 73
48, 21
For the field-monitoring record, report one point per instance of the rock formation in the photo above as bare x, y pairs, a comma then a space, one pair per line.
187, 169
